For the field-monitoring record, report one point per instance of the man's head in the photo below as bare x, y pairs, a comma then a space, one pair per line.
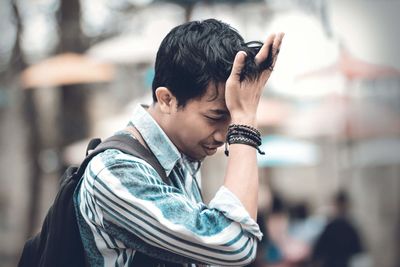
198, 53
341, 202
192, 65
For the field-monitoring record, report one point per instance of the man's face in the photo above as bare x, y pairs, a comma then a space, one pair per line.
200, 127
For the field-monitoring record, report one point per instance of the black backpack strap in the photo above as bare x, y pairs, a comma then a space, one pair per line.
126, 144
92, 145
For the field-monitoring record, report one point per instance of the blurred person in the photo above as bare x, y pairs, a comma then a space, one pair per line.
304, 228
284, 248
276, 232
262, 245
339, 242
279, 248
303, 225
206, 91
267, 251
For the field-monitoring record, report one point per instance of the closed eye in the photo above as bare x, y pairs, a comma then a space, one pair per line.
215, 119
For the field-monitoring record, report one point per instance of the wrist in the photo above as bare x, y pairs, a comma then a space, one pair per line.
243, 119
243, 134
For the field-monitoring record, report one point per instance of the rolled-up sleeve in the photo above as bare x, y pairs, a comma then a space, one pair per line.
227, 202
137, 206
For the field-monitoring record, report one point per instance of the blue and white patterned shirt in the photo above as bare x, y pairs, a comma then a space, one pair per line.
124, 205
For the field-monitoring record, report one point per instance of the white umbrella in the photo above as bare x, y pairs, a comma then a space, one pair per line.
284, 151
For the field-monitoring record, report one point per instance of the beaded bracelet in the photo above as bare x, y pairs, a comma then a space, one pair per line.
243, 134
239, 140
232, 139
242, 126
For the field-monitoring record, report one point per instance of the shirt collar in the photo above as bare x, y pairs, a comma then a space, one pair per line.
157, 140
192, 166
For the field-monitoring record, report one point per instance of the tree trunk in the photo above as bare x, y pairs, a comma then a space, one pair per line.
73, 117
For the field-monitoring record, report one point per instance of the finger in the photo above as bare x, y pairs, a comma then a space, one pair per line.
264, 51
238, 65
276, 48
275, 53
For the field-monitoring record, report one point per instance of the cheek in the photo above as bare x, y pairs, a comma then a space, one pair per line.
197, 132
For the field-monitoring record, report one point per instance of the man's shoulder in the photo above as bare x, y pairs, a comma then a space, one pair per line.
114, 158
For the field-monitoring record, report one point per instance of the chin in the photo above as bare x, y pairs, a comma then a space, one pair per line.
198, 158
202, 158
195, 154
195, 157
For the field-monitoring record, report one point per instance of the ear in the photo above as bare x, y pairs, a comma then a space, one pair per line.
166, 100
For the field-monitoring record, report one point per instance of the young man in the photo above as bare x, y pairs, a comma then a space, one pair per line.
206, 79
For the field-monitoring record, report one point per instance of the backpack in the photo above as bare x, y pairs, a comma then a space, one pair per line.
59, 242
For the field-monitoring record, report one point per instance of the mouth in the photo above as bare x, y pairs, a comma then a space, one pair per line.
210, 150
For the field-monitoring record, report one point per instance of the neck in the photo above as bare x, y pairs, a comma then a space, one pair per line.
158, 116
162, 120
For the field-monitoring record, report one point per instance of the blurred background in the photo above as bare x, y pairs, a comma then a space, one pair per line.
330, 115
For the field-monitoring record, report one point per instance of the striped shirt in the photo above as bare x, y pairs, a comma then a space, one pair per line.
124, 206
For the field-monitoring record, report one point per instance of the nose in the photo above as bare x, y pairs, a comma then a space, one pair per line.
220, 133
219, 137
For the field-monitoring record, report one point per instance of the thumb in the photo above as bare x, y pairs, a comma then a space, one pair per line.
238, 65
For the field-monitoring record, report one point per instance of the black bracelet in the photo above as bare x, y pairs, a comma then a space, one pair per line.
250, 135
246, 131
243, 126
243, 134
241, 140
234, 139
244, 142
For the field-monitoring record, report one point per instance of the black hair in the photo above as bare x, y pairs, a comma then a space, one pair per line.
199, 53
341, 198
278, 204
299, 211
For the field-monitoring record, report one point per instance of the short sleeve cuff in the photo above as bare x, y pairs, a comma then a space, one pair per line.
228, 203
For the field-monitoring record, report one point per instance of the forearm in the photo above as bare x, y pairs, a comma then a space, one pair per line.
241, 176
242, 99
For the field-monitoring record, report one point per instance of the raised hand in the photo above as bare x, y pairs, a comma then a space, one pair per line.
242, 97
